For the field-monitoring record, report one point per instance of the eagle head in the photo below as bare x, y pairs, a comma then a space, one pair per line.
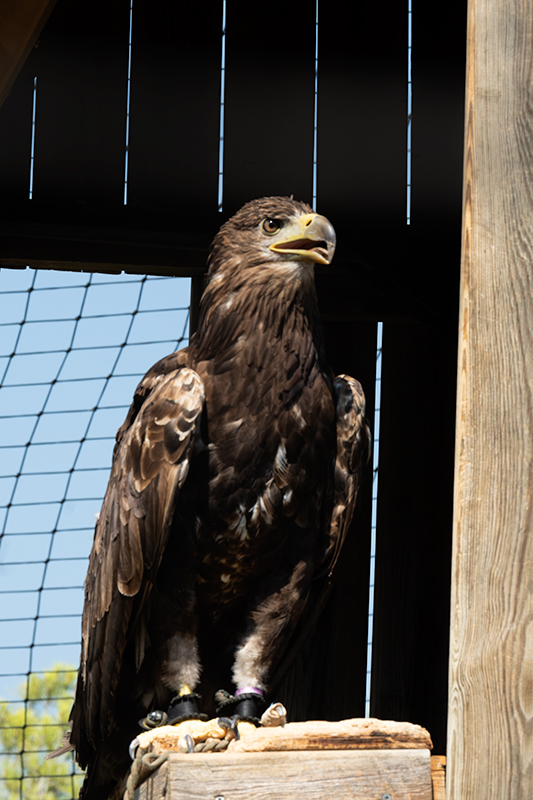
273, 232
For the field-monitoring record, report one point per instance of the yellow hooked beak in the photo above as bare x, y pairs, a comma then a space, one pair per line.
311, 237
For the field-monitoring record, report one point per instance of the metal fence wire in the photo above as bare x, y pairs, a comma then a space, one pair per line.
73, 348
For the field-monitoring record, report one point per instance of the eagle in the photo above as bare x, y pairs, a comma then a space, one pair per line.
233, 483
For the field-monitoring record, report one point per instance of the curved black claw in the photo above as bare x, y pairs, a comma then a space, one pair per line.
184, 707
230, 724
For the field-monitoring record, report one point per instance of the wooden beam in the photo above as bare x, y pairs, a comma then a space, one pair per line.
21, 22
438, 777
490, 731
380, 277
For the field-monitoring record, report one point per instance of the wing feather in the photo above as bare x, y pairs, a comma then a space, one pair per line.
150, 465
353, 441
152, 459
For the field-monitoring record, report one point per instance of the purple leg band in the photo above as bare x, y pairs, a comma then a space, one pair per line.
249, 690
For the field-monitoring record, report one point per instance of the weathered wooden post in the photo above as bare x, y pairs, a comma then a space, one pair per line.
490, 738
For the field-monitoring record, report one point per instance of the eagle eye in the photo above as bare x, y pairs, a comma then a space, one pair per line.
271, 226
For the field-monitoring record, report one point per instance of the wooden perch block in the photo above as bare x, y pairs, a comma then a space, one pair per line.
363, 759
348, 734
354, 774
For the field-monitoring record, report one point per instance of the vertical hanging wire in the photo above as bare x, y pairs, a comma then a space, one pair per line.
32, 149
315, 113
409, 104
222, 100
373, 523
128, 96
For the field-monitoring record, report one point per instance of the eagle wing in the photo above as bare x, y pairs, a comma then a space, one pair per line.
150, 464
353, 441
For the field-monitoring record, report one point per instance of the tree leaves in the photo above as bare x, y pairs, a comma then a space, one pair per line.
30, 728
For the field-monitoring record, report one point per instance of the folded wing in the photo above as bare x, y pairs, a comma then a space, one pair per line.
150, 465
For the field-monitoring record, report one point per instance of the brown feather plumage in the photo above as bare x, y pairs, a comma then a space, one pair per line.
233, 483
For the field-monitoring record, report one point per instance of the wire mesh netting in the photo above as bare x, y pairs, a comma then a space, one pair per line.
73, 348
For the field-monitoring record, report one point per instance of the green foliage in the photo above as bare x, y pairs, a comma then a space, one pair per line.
32, 727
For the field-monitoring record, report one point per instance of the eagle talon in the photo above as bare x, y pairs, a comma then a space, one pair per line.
230, 725
233, 727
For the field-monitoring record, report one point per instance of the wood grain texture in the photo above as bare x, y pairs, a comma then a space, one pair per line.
349, 734
21, 21
438, 777
490, 734
361, 775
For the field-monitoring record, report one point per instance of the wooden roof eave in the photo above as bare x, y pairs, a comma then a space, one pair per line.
21, 23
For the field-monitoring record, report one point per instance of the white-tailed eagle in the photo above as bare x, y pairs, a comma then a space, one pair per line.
233, 483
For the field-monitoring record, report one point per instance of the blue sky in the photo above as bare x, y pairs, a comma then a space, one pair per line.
73, 347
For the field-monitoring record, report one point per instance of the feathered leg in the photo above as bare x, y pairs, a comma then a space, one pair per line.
272, 621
